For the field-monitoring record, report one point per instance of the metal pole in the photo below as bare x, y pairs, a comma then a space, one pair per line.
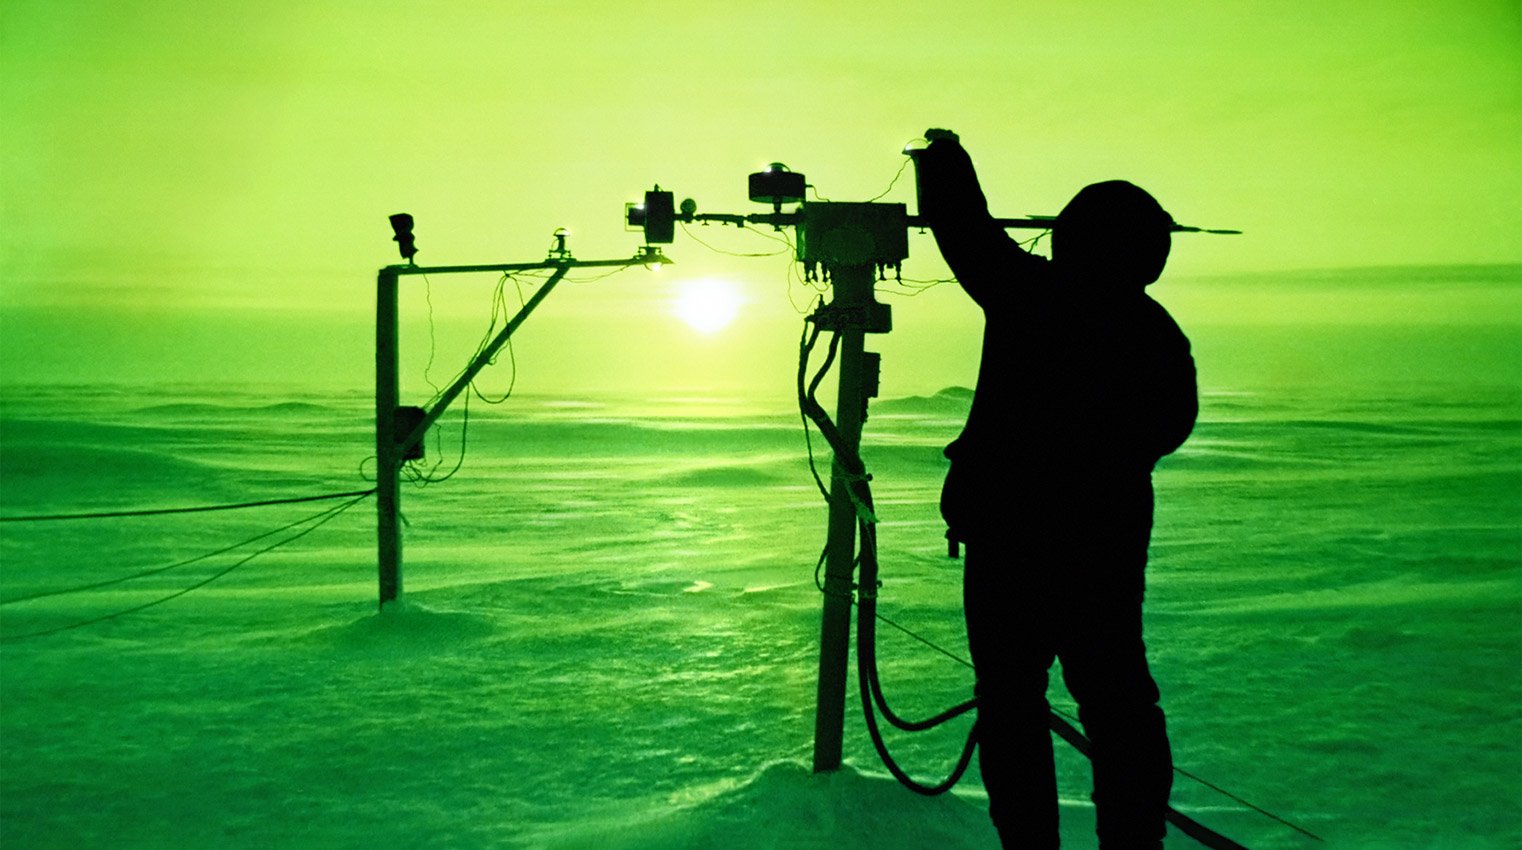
853, 289
388, 452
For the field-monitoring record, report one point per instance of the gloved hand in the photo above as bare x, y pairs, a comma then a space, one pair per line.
945, 179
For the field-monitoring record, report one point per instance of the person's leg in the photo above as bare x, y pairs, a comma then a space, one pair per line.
1008, 638
1104, 665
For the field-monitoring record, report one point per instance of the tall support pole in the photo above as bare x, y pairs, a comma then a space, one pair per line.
388, 485
853, 292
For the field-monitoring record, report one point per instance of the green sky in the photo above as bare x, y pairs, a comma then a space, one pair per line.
185, 181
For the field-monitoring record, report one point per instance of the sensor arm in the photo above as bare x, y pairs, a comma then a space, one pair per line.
484, 358
777, 185
791, 219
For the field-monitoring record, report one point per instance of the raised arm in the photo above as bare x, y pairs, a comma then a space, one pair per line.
981, 255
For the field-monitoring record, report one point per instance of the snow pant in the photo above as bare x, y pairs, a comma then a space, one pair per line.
1077, 600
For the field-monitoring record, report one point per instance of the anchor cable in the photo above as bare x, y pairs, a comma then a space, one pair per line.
156, 570
196, 509
318, 520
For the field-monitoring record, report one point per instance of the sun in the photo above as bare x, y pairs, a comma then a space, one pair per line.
707, 305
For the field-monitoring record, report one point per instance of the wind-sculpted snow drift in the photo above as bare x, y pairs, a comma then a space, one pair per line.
611, 625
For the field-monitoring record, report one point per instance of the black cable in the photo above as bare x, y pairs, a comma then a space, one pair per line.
716, 250
156, 570
816, 288
792, 272
1031, 243
1062, 724
963, 761
512, 356
919, 286
847, 460
805, 348
905, 292
894, 182
824, 368
866, 601
322, 518
499, 312
793, 277
597, 277
848, 464
423, 479
432, 342
788, 243
197, 509
869, 677
819, 567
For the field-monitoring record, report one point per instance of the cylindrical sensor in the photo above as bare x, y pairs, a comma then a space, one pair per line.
777, 186
660, 217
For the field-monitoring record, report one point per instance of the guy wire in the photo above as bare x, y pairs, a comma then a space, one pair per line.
321, 518
157, 570
190, 510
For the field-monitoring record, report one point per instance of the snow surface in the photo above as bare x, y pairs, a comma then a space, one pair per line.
610, 632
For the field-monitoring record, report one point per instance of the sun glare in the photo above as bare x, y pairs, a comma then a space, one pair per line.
707, 305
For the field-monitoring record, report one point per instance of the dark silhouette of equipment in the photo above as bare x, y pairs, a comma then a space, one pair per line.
408, 418
399, 429
777, 185
849, 245
401, 225
656, 217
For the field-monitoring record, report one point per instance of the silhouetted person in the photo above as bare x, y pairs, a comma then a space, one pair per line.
1085, 383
